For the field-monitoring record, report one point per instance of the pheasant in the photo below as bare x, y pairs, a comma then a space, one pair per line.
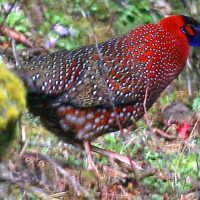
87, 92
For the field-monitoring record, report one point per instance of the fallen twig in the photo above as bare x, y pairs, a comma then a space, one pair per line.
164, 134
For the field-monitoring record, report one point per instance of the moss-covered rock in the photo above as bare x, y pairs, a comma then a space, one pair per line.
12, 103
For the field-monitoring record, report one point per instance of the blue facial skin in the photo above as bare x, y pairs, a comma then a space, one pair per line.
194, 40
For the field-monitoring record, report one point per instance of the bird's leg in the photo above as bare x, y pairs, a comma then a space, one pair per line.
117, 156
87, 147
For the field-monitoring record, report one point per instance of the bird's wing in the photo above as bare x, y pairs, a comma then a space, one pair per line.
86, 77
98, 86
108, 77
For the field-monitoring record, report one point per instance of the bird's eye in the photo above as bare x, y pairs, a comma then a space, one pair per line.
189, 29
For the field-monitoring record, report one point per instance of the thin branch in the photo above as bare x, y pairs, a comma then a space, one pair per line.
24, 147
15, 53
145, 106
163, 134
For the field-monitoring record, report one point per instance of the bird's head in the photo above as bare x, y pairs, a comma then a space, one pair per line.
184, 25
191, 28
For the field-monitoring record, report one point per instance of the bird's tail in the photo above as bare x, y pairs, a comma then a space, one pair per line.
14, 64
7, 57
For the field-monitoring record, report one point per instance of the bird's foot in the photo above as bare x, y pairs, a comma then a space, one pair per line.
92, 167
90, 163
114, 155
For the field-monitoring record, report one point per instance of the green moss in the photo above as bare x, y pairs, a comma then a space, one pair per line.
12, 103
